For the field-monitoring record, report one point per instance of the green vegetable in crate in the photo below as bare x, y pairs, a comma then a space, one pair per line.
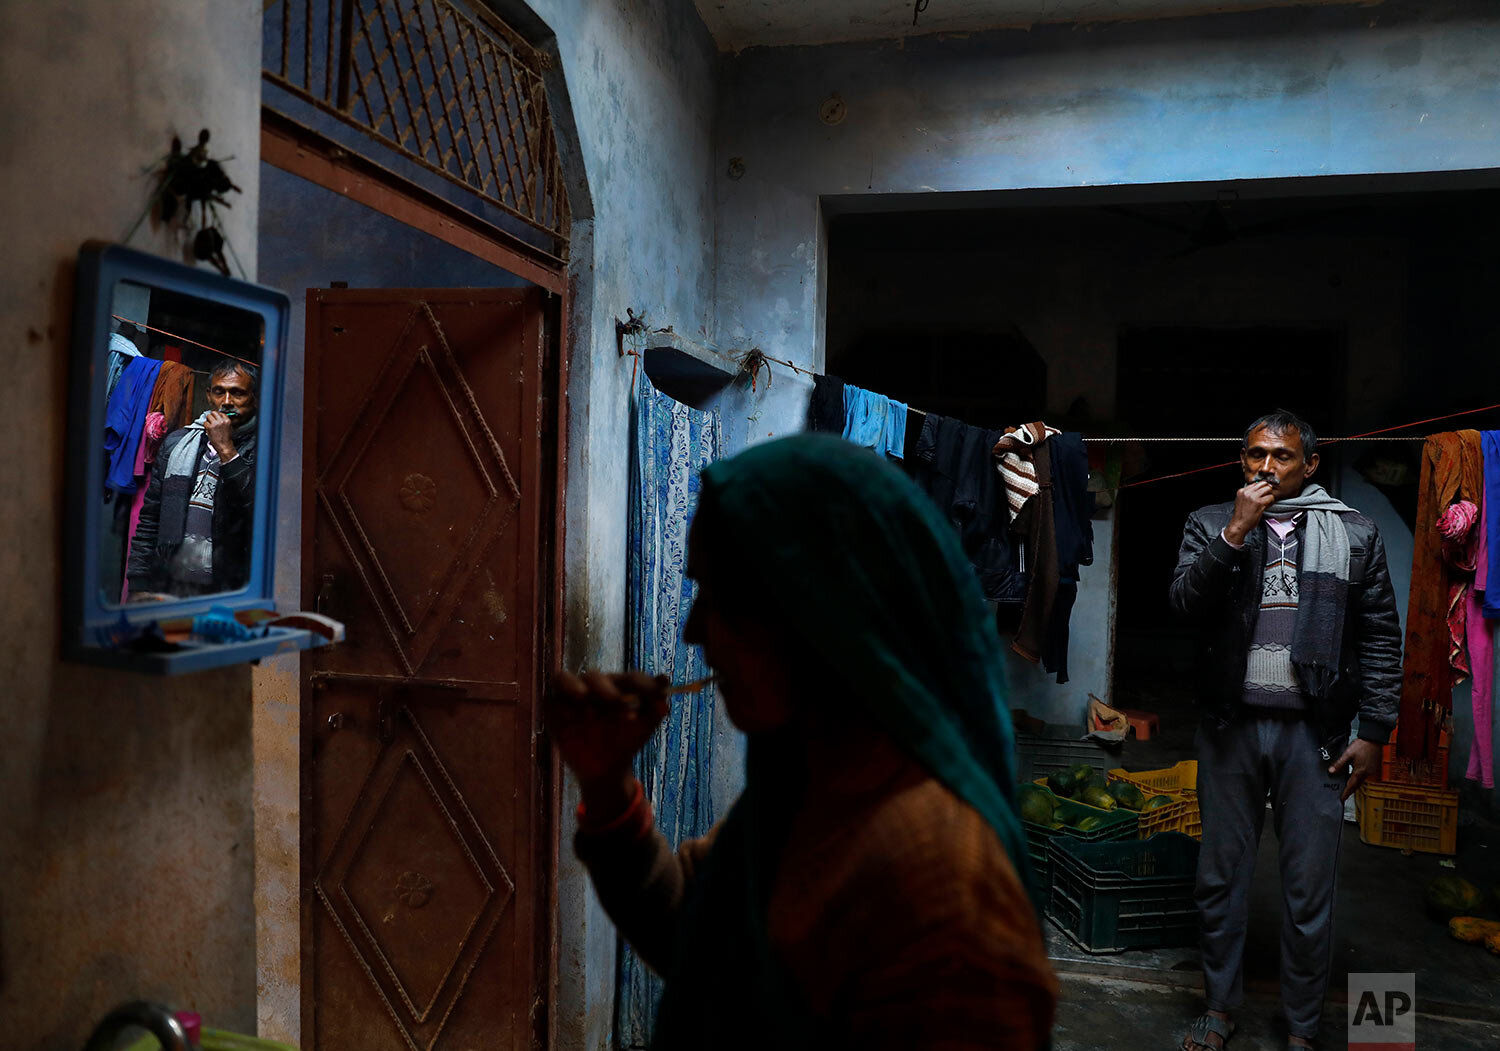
1064, 783
1127, 795
1090, 824
1156, 802
1449, 896
1036, 807
1098, 780
1098, 797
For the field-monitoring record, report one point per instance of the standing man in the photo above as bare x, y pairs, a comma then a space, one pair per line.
1299, 635
194, 533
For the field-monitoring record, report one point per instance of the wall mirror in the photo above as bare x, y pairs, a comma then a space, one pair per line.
173, 458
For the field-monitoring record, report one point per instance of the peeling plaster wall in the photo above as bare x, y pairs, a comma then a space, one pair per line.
125, 801
1401, 88
641, 77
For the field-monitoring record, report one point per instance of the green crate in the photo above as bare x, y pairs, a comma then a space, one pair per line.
1057, 748
1112, 896
1118, 824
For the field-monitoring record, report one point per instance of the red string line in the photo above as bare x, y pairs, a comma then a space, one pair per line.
184, 339
1328, 441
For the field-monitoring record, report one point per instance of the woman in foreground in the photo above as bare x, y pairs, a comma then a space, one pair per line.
870, 887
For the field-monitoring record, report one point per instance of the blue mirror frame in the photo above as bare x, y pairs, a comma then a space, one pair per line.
92, 630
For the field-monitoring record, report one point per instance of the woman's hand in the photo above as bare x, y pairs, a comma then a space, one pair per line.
599, 723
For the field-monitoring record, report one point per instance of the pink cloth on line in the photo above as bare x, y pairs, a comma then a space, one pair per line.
1460, 537
1482, 662
1460, 549
152, 434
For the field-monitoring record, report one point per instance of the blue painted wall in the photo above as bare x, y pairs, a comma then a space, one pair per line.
640, 78
1287, 93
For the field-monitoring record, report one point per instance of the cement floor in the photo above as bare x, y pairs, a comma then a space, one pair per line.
1112, 1014
1144, 999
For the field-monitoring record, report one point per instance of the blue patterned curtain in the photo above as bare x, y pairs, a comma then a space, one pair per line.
670, 446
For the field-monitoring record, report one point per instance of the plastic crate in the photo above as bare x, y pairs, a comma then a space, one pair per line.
1181, 779
1117, 824
1057, 748
1181, 783
1397, 771
1109, 897
1408, 817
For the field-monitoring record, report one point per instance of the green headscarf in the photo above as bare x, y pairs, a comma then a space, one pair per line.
861, 571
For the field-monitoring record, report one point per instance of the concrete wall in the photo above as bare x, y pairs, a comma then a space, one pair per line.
125, 802
1308, 92
641, 79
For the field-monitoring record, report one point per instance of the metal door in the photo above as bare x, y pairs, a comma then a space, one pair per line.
422, 797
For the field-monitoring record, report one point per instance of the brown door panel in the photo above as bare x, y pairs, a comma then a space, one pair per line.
421, 828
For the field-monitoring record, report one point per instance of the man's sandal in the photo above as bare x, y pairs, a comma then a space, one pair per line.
1199, 1031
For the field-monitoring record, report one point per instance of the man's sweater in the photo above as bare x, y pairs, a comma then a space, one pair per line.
1270, 680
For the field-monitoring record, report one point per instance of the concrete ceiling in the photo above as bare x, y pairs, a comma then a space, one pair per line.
737, 24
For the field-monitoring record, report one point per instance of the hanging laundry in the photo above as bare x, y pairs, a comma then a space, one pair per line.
1480, 633
953, 465
173, 394
124, 419
1457, 527
825, 412
1490, 581
1041, 560
152, 434
1452, 470
1013, 456
1072, 516
121, 350
874, 421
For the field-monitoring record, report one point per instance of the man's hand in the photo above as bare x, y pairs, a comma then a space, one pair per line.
216, 425
1250, 505
1364, 757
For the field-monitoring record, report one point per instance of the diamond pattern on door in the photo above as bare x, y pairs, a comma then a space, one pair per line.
414, 542
413, 885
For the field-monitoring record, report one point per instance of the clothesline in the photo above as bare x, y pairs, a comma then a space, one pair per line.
184, 339
750, 362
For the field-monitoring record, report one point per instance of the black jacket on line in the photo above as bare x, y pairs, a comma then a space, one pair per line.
1220, 588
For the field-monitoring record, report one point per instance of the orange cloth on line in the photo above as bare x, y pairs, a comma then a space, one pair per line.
895, 910
173, 394
1452, 469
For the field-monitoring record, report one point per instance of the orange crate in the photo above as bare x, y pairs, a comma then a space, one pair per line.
1181, 783
1407, 817
1395, 770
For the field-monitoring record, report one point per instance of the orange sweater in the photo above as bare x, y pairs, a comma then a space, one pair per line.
895, 909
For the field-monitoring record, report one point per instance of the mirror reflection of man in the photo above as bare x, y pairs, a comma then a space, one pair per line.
1293, 596
196, 520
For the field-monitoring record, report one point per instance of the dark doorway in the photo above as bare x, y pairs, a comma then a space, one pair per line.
988, 378
1201, 383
